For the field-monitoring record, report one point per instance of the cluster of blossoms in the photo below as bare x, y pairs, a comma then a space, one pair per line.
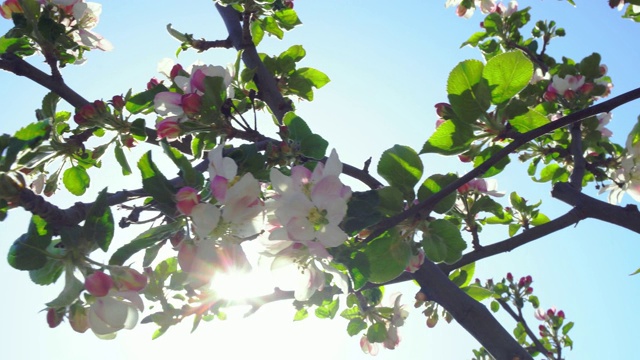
570, 86
80, 19
486, 6
301, 216
186, 103
392, 320
114, 303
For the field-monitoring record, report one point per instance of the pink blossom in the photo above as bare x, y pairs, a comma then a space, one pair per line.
484, 186
128, 279
415, 261
561, 86
168, 128
367, 347
113, 312
186, 199
603, 120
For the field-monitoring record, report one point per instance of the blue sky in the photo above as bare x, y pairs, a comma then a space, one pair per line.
388, 65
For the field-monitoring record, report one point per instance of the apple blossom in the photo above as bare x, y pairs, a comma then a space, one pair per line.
301, 268
603, 120
311, 205
113, 312
416, 261
625, 179
483, 186
565, 86
222, 170
368, 347
186, 199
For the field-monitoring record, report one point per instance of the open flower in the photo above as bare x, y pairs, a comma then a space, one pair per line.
483, 186
113, 312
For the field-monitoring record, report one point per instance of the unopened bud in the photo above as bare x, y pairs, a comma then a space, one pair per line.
118, 102
98, 284
175, 71
127, 279
54, 317
509, 277
560, 314
78, 318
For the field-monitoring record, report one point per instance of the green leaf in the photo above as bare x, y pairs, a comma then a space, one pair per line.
328, 310
122, 160
156, 184
391, 201
76, 180
98, 227
389, 254
359, 269
434, 184
356, 326
478, 293
28, 252
272, 27
362, 211
49, 103
191, 177
567, 327
145, 240
257, 33
20, 46
291, 56
635, 272
442, 242
507, 74
462, 277
540, 219
554, 173
316, 77
72, 289
301, 314
314, 146
590, 66
151, 253
287, 18
377, 333
487, 153
143, 101
402, 168
468, 92
528, 121
298, 128
513, 229
450, 138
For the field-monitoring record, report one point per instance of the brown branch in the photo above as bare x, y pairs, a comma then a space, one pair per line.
579, 163
18, 66
470, 314
518, 317
204, 45
269, 92
627, 217
427, 205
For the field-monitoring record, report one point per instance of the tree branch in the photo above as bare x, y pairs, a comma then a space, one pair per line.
470, 314
264, 79
427, 205
627, 217
579, 163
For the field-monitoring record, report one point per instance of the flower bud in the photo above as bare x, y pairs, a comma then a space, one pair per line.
191, 104
464, 158
529, 279
444, 110
88, 111
550, 96
118, 102
586, 88
78, 318
153, 82
9, 7
98, 284
603, 69
551, 312
415, 262
529, 290
54, 317
100, 106
509, 277
569, 94
168, 128
560, 314
186, 199
175, 71
127, 279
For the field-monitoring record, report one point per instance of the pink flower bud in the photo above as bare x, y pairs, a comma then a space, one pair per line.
168, 128
529, 290
127, 279
191, 104
186, 199
175, 71
88, 111
9, 7
569, 94
415, 262
529, 279
464, 158
561, 314
152, 83
444, 110
550, 96
551, 312
79, 119
98, 283
187, 256
439, 122
603, 69
586, 88
509, 277
54, 317
118, 102
100, 106
129, 142
521, 282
